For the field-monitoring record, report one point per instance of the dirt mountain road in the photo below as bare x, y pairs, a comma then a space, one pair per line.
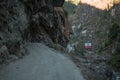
42, 63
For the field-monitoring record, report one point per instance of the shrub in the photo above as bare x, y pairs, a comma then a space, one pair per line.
114, 62
79, 49
113, 32
118, 48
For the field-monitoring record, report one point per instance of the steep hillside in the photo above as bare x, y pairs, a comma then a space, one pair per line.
24, 21
98, 25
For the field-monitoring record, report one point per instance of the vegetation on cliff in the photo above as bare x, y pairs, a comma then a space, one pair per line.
99, 25
114, 37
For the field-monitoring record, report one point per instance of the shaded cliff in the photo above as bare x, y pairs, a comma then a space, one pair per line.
13, 22
24, 21
50, 22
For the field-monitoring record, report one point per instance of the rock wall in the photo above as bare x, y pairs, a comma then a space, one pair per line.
24, 21
47, 18
13, 21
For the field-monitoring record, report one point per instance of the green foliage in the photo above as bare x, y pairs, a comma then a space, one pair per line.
118, 48
99, 33
69, 7
104, 45
118, 37
79, 49
114, 32
114, 62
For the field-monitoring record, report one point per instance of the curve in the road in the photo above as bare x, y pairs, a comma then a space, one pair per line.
42, 63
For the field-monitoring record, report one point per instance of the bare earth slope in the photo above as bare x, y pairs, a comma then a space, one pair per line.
43, 63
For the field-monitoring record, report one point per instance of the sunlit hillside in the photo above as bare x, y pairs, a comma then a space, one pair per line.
100, 4
76, 2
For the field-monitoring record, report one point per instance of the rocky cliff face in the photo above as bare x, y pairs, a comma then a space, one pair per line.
13, 22
47, 21
31, 21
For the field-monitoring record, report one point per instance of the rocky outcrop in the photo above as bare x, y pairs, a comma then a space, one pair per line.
13, 22
24, 21
49, 20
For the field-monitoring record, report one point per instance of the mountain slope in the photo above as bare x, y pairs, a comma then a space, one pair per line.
101, 28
